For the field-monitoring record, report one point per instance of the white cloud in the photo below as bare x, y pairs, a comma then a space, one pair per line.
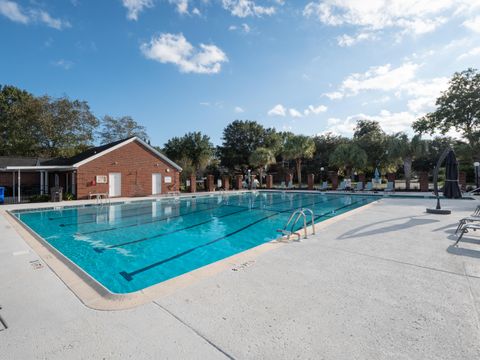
197, 12
402, 80
347, 40
280, 110
295, 113
245, 8
390, 122
473, 52
238, 109
175, 49
64, 64
414, 17
245, 28
314, 110
277, 110
181, 5
473, 24
379, 78
12, 11
135, 7
44, 17
335, 95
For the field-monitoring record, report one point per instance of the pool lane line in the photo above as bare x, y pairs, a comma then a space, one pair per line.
140, 205
126, 216
175, 216
101, 249
129, 275
159, 219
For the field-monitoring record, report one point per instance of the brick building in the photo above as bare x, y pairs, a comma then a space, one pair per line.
129, 167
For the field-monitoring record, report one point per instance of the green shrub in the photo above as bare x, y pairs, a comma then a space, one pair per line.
39, 198
69, 197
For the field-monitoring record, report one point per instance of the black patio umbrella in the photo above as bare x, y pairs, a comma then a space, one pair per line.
451, 190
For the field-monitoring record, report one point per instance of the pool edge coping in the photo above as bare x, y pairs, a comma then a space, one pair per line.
96, 296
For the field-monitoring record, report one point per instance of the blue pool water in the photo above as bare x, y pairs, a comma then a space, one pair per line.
128, 247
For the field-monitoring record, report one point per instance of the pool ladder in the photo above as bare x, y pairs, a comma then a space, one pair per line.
293, 220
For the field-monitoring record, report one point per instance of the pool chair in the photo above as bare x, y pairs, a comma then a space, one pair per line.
290, 185
282, 185
359, 186
369, 186
390, 187
475, 217
342, 186
324, 186
465, 229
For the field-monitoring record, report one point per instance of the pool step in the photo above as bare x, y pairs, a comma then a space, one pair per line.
289, 233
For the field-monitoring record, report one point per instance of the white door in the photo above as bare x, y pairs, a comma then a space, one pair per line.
114, 184
156, 184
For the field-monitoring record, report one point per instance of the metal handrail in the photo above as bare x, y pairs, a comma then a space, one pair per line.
299, 213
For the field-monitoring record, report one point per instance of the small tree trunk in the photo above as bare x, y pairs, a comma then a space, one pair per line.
260, 171
407, 169
299, 172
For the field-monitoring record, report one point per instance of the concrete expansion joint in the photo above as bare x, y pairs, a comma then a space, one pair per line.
196, 332
404, 263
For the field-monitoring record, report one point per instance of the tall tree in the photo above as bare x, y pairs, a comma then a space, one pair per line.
118, 128
241, 138
193, 149
371, 138
43, 126
67, 127
458, 108
19, 113
299, 147
407, 150
348, 157
260, 158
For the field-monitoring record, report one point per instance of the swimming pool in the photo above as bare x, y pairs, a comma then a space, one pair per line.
127, 247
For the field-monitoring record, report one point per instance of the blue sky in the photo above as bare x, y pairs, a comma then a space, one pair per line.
186, 65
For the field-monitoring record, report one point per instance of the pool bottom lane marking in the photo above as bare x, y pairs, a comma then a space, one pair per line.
101, 249
129, 275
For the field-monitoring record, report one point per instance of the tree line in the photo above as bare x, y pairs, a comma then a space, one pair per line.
45, 126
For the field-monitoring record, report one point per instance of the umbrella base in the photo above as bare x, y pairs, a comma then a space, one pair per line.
439, 211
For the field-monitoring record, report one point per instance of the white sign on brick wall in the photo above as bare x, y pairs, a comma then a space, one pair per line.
168, 179
101, 179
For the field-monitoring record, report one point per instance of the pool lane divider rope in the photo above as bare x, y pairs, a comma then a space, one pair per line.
101, 249
129, 275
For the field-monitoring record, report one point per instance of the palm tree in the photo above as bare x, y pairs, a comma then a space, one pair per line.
260, 158
299, 147
348, 157
401, 147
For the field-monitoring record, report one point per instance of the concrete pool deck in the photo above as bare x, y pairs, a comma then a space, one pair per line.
384, 283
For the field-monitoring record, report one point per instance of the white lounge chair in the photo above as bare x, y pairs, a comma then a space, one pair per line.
282, 185
390, 187
342, 186
324, 186
359, 186
369, 186
290, 185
